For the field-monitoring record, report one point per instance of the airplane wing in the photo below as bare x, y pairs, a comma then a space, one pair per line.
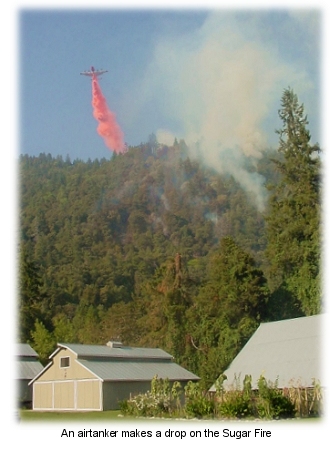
100, 72
91, 73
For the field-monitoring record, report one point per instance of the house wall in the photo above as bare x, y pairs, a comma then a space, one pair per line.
67, 388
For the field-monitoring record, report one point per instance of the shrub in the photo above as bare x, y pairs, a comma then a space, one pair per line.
272, 403
198, 403
157, 402
235, 404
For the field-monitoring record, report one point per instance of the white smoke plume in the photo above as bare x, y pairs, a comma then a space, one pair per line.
219, 84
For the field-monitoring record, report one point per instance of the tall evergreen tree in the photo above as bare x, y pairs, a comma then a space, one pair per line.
163, 305
293, 221
228, 309
32, 302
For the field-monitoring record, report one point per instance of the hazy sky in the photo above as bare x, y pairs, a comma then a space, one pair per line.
214, 76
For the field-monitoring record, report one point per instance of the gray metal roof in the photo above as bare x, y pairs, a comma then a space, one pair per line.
25, 350
27, 370
124, 363
103, 351
138, 370
287, 350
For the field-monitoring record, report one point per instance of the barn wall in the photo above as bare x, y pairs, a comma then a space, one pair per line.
43, 395
116, 391
68, 395
74, 372
24, 392
64, 395
67, 388
89, 395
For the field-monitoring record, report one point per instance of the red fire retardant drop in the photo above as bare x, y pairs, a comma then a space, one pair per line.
108, 127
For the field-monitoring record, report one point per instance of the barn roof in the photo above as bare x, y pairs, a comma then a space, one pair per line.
23, 350
27, 364
122, 363
122, 352
27, 370
287, 351
137, 370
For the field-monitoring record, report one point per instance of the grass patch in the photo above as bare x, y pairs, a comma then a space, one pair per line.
55, 416
29, 415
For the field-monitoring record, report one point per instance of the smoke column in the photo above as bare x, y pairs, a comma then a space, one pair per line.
219, 85
108, 127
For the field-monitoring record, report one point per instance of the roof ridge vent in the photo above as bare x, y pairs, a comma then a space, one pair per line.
114, 344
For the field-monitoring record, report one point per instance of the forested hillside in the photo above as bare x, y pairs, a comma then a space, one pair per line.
155, 249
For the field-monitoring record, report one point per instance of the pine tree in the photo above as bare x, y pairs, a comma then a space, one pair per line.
32, 302
228, 309
293, 221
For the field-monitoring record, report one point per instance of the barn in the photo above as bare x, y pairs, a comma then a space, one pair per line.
97, 377
27, 367
286, 351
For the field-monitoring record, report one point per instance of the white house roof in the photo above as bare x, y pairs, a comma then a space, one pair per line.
288, 351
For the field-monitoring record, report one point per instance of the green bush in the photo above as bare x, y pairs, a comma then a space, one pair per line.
235, 404
198, 403
272, 403
160, 401
200, 407
126, 407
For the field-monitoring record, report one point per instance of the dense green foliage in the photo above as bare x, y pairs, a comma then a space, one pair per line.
154, 249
